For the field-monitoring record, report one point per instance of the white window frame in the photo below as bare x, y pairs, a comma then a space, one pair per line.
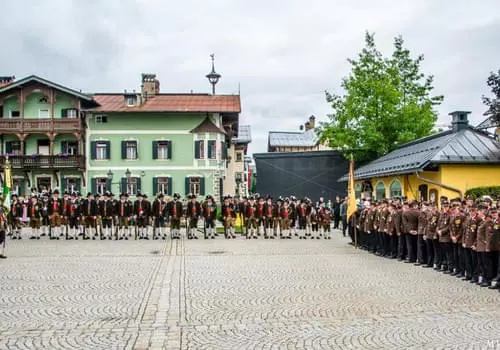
71, 113
131, 101
214, 150
42, 114
162, 149
131, 185
131, 150
72, 147
70, 184
239, 157
14, 110
201, 149
195, 185
101, 185
101, 119
101, 150
18, 151
162, 184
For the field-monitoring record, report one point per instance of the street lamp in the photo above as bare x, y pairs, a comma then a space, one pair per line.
213, 77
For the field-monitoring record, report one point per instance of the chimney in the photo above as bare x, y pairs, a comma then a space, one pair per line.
312, 121
150, 85
301, 127
460, 120
6, 80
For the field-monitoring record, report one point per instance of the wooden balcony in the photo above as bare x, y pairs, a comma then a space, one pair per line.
21, 125
45, 162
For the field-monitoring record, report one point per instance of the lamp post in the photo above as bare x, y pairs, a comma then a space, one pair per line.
213, 77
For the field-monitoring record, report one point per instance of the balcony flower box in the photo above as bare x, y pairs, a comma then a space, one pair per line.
63, 155
35, 155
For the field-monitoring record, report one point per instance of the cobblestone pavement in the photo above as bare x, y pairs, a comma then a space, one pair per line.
233, 294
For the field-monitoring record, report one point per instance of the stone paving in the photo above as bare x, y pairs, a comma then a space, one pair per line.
233, 294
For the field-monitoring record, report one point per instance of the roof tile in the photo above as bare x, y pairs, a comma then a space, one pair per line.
171, 103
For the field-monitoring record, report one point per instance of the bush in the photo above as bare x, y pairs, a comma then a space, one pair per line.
478, 192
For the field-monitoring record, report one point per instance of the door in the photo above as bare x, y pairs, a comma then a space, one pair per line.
44, 183
422, 193
43, 147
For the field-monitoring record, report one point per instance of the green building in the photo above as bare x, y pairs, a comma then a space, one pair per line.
42, 131
151, 142
147, 142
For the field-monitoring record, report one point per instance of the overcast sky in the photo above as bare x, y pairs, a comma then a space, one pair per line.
283, 54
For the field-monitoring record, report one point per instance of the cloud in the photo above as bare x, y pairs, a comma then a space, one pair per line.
282, 55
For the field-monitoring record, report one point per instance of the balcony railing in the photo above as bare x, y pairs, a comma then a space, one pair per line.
40, 125
45, 162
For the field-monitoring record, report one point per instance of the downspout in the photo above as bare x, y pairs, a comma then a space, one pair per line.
439, 184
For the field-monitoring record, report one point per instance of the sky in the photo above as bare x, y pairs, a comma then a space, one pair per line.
280, 55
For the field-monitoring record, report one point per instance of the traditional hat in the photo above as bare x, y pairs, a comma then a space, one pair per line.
56, 191
89, 194
97, 195
177, 195
123, 194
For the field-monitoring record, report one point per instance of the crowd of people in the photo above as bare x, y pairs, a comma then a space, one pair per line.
460, 237
71, 216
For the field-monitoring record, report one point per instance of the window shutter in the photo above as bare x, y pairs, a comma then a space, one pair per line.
202, 186
139, 189
197, 150
92, 149
109, 185
224, 150
155, 149
169, 149
209, 151
63, 185
108, 150
22, 187
186, 185
124, 150
123, 185
169, 186
78, 185
64, 113
155, 186
8, 147
93, 186
64, 146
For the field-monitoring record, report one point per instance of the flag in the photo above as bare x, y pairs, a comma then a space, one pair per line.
351, 204
7, 185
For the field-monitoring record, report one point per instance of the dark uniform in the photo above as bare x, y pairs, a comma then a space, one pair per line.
193, 213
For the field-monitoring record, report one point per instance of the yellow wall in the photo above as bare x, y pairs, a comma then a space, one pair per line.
462, 177
465, 177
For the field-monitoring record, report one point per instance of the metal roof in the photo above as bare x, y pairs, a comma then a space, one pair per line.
244, 134
467, 146
293, 139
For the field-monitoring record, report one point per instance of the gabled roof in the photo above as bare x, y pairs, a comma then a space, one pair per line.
207, 126
307, 138
34, 78
244, 134
171, 103
467, 146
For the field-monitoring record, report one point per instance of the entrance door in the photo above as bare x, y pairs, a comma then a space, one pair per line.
43, 147
44, 183
422, 193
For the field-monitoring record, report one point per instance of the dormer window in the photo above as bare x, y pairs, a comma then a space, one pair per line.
131, 100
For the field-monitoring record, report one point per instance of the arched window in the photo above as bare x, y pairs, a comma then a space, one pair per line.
380, 191
395, 189
357, 190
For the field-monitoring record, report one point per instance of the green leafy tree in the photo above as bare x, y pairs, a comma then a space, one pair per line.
387, 102
493, 104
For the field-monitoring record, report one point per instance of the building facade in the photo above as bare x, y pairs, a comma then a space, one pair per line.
445, 164
237, 184
145, 142
42, 132
305, 140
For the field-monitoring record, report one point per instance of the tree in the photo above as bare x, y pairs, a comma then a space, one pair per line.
493, 104
387, 102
